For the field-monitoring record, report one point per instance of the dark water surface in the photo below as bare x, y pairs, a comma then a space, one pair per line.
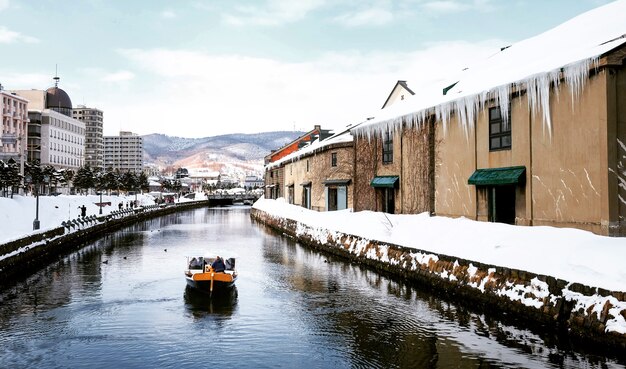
292, 308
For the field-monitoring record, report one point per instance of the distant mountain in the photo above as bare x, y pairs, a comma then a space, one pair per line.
235, 154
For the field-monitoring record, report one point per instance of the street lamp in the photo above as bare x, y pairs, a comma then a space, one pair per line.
29, 179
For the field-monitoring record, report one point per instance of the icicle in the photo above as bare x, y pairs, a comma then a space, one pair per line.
502, 96
576, 74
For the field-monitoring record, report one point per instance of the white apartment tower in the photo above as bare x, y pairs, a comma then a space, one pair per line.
14, 127
94, 140
124, 152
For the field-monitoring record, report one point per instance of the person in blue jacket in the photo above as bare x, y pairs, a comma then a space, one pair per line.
218, 265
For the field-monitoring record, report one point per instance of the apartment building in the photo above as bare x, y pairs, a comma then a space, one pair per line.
94, 139
124, 152
14, 127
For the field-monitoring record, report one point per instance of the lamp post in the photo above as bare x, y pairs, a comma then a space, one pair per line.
29, 179
36, 221
100, 193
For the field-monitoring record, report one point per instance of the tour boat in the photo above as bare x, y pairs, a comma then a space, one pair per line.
201, 276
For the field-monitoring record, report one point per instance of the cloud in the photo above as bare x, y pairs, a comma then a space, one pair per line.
24, 81
9, 37
272, 13
4, 4
168, 14
366, 17
196, 94
121, 76
454, 6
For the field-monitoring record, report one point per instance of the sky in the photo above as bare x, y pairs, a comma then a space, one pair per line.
194, 68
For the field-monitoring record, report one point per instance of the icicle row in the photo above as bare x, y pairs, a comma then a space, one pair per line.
538, 89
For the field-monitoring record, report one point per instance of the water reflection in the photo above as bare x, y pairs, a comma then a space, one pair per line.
123, 302
221, 303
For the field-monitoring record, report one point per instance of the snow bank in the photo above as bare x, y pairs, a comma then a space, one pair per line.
566, 254
17, 213
569, 254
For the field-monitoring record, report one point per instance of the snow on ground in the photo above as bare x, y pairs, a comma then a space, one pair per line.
17, 213
569, 254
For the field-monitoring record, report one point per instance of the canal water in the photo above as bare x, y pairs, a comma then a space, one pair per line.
121, 302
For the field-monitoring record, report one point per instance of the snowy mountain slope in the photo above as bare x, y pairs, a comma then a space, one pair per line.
225, 152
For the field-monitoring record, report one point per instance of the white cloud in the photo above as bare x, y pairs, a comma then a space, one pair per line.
4, 4
120, 76
272, 13
445, 6
25, 81
8, 37
366, 17
168, 14
454, 6
199, 94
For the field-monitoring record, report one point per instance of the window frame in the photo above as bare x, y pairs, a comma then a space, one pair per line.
387, 144
333, 159
503, 131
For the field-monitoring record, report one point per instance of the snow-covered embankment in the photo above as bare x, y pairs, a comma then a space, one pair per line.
539, 273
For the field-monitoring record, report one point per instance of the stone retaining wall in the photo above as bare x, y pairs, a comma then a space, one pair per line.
21, 257
586, 312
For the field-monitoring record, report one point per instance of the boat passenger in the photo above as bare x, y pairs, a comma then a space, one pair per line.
195, 264
218, 265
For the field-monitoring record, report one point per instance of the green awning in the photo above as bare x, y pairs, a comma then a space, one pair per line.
498, 176
385, 181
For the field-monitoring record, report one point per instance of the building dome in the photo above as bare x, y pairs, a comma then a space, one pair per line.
57, 99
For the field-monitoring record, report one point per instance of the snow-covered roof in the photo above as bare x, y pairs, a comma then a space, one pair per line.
200, 173
569, 51
340, 137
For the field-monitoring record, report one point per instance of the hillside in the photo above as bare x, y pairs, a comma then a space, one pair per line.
234, 154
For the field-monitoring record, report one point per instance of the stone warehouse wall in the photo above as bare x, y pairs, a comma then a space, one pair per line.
21, 257
588, 313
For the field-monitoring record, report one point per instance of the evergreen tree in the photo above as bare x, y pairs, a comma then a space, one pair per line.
84, 178
4, 177
112, 180
166, 185
129, 181
144, 185
13, 175
34, 175
49, 173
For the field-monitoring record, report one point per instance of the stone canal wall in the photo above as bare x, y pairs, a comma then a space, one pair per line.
587, 313
21, 257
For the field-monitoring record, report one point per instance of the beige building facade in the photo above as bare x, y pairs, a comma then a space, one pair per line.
571, 176
321, 180
514, 169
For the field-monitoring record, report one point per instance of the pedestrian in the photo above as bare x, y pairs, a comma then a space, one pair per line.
83, 211
120, 206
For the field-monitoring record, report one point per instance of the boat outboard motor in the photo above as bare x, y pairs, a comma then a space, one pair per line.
230, 264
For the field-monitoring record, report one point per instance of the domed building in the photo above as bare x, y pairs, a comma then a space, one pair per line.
54, 137
58, 100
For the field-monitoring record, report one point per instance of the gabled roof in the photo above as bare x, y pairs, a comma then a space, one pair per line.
305, 139
566, 52
342, 136
399, 84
